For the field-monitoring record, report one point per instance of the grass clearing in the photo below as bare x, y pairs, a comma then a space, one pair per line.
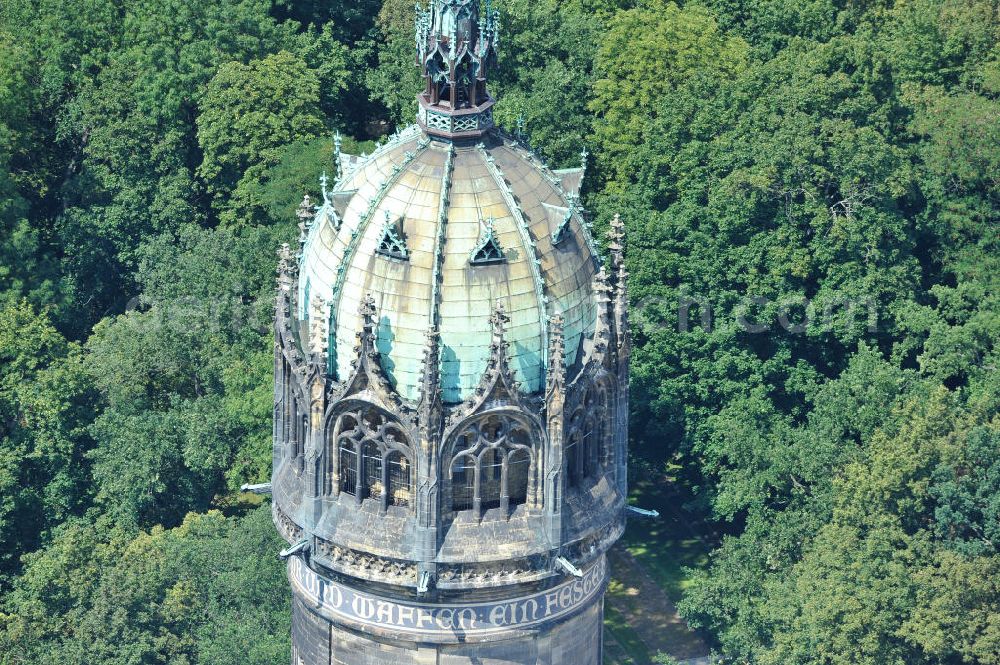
628, 640
650, 571
668, 545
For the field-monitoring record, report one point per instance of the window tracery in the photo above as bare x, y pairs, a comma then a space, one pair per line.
587, 437
393, 240
373, 458
291, 424
491, 465
488, 250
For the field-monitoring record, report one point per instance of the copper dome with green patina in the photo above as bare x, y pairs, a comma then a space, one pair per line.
438, 232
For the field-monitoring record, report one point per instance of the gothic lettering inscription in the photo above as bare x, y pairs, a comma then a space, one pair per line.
339, 602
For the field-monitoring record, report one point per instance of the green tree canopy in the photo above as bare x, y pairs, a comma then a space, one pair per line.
209, 591
248, 112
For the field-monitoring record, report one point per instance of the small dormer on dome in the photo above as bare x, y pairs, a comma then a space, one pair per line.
393, 242
488, 250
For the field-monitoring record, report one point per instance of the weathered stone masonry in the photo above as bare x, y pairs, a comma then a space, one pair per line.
451, 391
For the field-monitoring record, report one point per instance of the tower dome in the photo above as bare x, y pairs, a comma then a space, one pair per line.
437, 232
451, 390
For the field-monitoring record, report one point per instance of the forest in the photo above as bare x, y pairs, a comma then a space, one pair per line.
811, 190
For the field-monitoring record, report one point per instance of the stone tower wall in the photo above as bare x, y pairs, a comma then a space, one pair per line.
451, 391
562, 626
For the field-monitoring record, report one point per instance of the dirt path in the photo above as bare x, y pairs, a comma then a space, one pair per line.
649, 611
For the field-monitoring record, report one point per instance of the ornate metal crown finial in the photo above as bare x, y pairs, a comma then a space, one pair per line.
456, 48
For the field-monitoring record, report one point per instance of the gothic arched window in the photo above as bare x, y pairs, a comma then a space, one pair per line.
599, 405
373, 458
491, 477
491, 465
586, 437
603, 431
371, 471
518, 471
573, 452
298, 434
400, 479
463, 482
348, 467
590, 436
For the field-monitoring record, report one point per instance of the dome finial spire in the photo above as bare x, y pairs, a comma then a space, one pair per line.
556, 371
338, 145
456, 48
498, 322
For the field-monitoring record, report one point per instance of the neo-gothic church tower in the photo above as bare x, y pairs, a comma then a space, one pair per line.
451, 391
